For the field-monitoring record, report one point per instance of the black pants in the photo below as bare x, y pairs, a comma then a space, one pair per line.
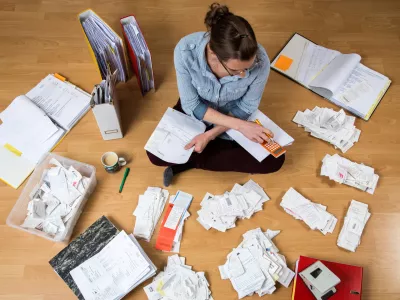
224, 155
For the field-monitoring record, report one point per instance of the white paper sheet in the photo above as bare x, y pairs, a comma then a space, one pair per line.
174, 131
255, 149
113, 271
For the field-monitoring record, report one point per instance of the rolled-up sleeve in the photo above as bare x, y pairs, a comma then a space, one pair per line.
250, 101
192, 103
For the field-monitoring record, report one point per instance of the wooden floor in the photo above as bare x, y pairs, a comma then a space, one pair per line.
38, 37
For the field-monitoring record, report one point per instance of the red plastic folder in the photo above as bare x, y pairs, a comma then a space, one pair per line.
166, 235
349, 288
132, 54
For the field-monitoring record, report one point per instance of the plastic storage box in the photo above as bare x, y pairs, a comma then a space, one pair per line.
19, 211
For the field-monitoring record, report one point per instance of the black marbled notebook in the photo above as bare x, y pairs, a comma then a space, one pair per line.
88, 244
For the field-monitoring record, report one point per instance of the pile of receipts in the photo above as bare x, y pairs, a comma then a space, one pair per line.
313, 214
178, 282
329, 125
342, 170
171, 230
255, 265
354, 223
56, 199
148, 211
221, 212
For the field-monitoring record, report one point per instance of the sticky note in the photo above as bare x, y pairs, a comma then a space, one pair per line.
283, 62
12, 149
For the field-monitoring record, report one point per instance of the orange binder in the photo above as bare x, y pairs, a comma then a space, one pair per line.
132, 55
349, 288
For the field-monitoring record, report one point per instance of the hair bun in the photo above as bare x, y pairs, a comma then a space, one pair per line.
216, 12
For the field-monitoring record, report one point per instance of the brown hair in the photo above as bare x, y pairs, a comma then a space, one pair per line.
231, 36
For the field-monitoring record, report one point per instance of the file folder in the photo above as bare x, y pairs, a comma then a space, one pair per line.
349, 288
114, 54
52, 99
142, 66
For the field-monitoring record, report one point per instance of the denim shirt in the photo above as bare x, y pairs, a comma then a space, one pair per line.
199, 88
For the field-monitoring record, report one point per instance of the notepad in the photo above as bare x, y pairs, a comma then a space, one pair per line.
33, 124
256, 149
340, 78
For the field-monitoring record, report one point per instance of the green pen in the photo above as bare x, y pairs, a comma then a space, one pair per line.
123, 179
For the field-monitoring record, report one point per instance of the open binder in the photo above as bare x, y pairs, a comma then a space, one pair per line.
340, 78
105, 46
139, 53
34, 124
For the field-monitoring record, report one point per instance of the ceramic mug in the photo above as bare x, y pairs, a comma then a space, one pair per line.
111, 162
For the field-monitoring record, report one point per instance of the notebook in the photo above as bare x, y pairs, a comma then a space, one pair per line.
340, 78
139, 53
349, 288
33, 124
255, 149
105, 46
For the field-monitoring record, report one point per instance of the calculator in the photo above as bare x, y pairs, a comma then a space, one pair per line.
273, 147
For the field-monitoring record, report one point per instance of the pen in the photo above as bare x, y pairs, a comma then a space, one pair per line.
270, 137
123, 179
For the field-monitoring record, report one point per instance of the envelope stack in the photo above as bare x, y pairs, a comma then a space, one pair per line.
313, 214
342, 170
221, 212
255, 265
178, 282
326, 124
354, 223
55, 199
148, 211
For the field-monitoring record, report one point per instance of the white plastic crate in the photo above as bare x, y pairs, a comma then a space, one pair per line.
19, 211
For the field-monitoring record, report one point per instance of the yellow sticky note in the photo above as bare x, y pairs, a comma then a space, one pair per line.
12, 149
283, 62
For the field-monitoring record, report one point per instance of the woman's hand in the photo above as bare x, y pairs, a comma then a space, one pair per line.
199, 142
255, 132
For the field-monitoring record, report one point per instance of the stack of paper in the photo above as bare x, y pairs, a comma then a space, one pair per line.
221, 212
141, 53
329, 125
106, 45
178, 282
255, 265
171, 231
313, 214
113, 272
354, 223
62, 101
55, 199
148, 211
342, 170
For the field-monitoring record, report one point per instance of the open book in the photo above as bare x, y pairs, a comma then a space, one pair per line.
340, 78
33, 124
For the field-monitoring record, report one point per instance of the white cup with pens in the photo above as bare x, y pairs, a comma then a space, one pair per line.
112, 162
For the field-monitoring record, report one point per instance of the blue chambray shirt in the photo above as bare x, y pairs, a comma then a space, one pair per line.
199, 88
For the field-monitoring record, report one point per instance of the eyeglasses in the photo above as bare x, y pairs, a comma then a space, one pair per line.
236, 72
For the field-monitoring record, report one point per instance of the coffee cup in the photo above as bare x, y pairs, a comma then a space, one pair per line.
112, 162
